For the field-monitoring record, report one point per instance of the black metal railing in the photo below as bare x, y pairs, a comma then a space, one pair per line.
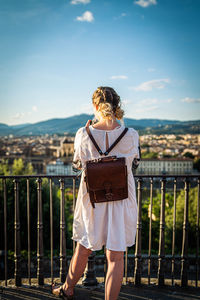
142, 181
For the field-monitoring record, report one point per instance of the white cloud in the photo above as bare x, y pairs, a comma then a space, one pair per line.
80, 2
152, 84
149, 104
18, 116
34, 108
125, 101
168, 100
87, 16
145, 3
148, 101
118, 77
21, 115
147, 108
190, 100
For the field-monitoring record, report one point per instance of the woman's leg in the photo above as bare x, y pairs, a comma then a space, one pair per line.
114, 274
76, 269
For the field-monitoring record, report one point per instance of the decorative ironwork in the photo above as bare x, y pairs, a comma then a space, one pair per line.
51, 226
90, 275
184, 254
17, 254
29, 231
150, 229
137, 272
62, 232
40, 273
5, 230
161, 253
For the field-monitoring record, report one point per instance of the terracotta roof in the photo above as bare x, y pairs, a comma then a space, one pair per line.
66, 141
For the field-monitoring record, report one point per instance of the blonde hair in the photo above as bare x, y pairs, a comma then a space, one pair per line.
109, 102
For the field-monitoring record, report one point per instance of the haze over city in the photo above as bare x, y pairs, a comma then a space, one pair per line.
55, 53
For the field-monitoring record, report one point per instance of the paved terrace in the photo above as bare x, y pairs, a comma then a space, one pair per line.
128, 291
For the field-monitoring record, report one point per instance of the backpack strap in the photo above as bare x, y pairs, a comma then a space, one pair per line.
111, 147
93, 140
116, 141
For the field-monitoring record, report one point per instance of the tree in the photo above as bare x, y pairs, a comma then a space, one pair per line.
189, 154
192, 216
18, 168
4, 169
196, 164
149, 155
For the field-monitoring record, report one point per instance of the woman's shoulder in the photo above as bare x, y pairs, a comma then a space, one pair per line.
133, 132
79, 134
80, 130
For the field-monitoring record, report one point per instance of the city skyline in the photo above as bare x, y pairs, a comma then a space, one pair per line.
55, 53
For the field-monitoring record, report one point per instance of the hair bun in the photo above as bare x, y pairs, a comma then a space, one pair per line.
109, 102
119, 113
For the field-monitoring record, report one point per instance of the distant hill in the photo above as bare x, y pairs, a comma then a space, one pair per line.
71, 124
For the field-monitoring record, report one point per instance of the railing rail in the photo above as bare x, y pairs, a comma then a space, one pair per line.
90, 272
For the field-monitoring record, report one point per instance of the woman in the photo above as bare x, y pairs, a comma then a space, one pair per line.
113, 223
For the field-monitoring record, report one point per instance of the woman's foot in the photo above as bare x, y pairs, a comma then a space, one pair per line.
57, 290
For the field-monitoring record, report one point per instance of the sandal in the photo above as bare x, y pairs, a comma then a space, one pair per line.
61, 293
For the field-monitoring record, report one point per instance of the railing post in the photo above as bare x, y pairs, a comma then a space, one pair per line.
161, 254
137, 271
174, 231
28, 230
150, 229
5, 230
74, 205
51, 225
40, 274
90, 274
62, 232
17, 254
197, 233
104, 263
184, 254
126, 266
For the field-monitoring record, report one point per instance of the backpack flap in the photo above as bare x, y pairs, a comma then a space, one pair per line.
106, 180
99, 174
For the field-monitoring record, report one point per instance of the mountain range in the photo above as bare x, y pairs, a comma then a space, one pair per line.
71, 124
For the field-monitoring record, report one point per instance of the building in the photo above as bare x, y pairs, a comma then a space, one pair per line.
58, 167
66, 147
165, 166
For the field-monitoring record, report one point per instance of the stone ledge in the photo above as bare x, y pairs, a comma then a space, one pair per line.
130, 282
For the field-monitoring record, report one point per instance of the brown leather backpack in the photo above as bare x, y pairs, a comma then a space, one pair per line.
106, 177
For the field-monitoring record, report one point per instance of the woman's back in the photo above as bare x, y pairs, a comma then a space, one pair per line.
127, 146
99, 226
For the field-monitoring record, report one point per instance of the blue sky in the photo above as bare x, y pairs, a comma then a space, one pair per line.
55, 53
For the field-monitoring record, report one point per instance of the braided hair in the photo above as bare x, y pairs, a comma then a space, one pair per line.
108, 101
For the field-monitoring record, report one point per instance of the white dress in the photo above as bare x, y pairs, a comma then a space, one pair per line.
113, 223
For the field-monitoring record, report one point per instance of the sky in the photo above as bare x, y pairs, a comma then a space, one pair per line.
55, 53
